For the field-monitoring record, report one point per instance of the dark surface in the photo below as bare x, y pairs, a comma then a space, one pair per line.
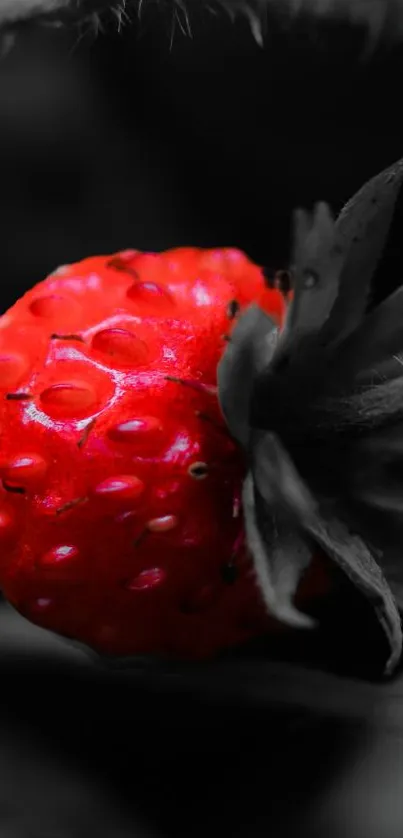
249, 748
122, 142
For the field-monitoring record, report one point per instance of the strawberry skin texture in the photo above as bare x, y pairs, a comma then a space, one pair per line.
119, 499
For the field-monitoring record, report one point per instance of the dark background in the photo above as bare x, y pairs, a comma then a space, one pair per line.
128, 141
125, 141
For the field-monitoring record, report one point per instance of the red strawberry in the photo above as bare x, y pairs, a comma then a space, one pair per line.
119, 505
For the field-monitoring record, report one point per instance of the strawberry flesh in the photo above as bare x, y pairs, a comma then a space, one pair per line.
120, 523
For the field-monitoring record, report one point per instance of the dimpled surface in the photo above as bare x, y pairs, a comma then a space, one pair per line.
119, 498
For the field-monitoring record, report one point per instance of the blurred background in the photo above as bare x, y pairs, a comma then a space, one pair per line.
151, 139
145, 140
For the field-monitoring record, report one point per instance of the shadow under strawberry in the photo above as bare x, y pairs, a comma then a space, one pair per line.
168, 755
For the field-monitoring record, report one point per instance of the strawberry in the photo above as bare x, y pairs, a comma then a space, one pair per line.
120, 519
